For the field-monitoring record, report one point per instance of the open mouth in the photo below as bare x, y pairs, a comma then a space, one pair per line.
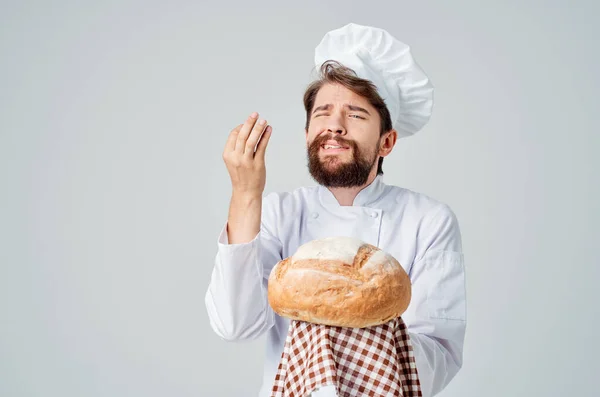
331, 148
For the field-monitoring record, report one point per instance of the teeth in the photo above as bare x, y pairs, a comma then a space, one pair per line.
332, 147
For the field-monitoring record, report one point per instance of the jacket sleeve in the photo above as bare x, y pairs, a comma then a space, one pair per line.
436, 317
236, 298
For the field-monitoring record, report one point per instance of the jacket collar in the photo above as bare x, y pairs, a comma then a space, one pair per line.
369, 195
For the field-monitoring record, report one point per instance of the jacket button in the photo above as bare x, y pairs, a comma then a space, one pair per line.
315, 215
374, 214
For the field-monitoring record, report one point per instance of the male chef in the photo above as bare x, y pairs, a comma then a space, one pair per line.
369, 94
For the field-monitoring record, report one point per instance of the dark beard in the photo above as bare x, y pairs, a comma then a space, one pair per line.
352, 174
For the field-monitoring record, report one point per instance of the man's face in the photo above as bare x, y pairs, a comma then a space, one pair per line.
343, 138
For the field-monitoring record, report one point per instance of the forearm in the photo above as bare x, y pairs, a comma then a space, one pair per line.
236, 298
437, 362
243, 222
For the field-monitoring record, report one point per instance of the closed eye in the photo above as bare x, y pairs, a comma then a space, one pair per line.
351, 115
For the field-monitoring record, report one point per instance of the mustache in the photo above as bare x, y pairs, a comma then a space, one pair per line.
340, 141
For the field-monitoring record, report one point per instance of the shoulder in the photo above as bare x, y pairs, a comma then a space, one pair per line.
416, 199
280, 209
436, 224
420, 204
289, 200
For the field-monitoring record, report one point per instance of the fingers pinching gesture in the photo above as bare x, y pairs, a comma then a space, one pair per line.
244, 156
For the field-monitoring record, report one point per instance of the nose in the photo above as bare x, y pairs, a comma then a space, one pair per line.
337, 130
335, 125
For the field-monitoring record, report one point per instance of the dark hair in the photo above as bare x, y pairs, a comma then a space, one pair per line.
334, 72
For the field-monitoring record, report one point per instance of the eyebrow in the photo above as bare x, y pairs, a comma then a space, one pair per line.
350, 107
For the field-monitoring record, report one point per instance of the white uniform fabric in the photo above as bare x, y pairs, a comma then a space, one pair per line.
420, 232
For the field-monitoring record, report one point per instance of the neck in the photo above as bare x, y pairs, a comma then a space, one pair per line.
346, 195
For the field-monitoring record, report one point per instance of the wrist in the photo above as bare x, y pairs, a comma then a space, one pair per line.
246, 197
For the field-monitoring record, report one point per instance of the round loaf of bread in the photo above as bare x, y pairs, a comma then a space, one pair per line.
339, 281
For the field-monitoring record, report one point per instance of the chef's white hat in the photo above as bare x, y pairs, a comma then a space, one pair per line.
375, 55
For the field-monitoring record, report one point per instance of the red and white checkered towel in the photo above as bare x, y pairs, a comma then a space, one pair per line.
374, 361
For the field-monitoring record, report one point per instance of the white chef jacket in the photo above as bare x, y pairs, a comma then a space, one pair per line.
420, 232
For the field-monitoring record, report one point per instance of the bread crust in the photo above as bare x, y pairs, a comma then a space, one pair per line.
346, 283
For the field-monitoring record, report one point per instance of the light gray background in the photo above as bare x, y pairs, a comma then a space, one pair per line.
113, 117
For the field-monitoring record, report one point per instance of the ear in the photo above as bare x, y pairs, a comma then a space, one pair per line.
388, 141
